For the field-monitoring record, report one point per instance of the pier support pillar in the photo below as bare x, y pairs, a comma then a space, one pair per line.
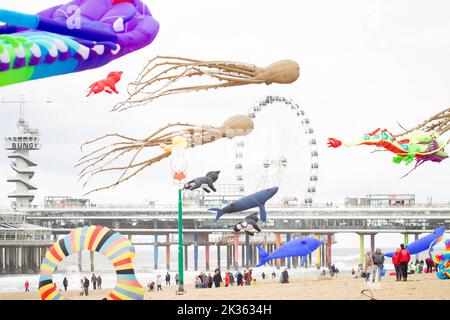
329, 238
318, 254
19, 259
372, 242
243, 256
186, 258
361, 249
80, 260
272, 249
278, 243
247, 250
324, 256
196, 252
207, 251
91, 258
405, 239
155, 253
218, 256
288, 261
37, 258
168, 251
310, 259
236, 251
229, 255
416, 237
7, 253
2, 260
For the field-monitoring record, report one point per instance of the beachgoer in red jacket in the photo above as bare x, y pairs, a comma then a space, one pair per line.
396, 263
27, 286
403, 258
227, 279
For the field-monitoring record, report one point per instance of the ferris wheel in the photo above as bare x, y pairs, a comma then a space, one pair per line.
281, 151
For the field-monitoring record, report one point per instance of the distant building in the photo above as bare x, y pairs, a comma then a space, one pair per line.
382, 200
65, 202
226, 193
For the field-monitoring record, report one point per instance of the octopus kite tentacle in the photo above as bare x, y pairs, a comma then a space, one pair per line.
161, 73
439, 123
102, 159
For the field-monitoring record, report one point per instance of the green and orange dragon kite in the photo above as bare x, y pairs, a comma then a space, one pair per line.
421, 143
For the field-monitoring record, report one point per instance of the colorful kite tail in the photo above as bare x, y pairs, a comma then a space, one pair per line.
263, 256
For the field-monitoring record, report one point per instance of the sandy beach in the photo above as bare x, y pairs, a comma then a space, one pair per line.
418, 287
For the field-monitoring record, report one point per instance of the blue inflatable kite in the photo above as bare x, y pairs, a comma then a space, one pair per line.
422, 244
294, 248
255, 200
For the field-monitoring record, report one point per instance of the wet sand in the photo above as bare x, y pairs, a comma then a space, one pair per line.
418, 287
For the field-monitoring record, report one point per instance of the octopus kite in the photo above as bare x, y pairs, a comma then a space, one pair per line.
77, 36
159, 76
104, 159
422, 143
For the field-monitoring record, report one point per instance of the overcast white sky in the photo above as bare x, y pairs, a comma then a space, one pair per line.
364, 65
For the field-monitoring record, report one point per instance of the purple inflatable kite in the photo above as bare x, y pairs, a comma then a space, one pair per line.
80, 35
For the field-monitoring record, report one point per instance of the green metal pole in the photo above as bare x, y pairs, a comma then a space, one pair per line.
180, 243
361, 249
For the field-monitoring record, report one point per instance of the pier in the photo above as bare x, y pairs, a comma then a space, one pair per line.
22, 245
240, 250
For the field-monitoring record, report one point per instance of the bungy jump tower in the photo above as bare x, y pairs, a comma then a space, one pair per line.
25, 140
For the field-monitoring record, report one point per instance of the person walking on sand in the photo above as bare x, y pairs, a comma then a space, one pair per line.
396, 263
239, 279
227, 279
285, 276
94, 281
209, 280
81, 287
27, 286
65, 283
86, 286
404, 257
263, 276
274, 274
176, 278
378, 262
249, 277
429, 262
231, 279
368, 266
158, 283
167, 278
99, 282
151, 286
217, 279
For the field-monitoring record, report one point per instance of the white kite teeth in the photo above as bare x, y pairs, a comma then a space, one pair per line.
4, 57
99, 49
117, 50
83, 52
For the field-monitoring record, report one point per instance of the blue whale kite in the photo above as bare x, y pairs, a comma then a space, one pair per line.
256, 200
294, 248
423, 243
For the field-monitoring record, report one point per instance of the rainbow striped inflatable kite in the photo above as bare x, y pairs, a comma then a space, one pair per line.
442, 261
117, 248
